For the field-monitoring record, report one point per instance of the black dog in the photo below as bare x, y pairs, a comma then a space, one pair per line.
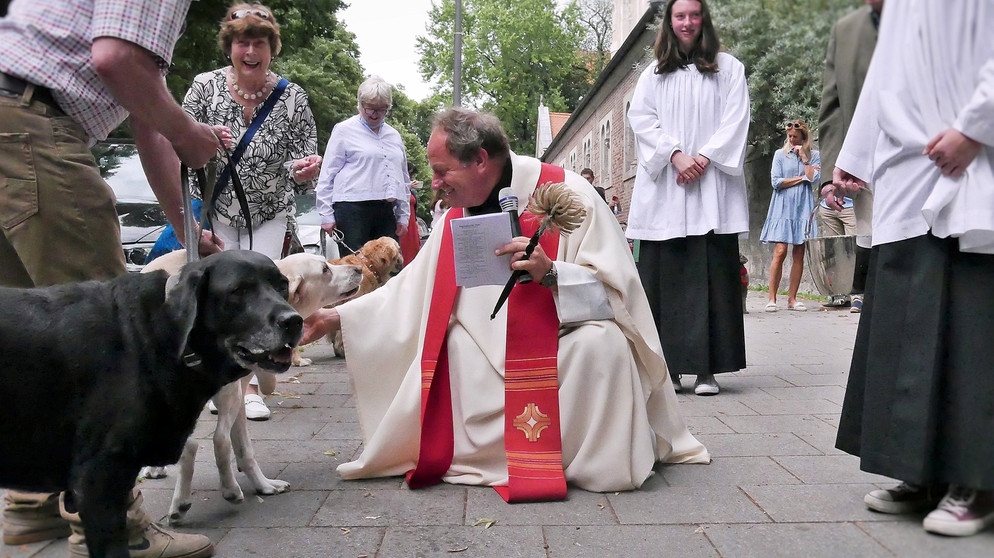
101, 378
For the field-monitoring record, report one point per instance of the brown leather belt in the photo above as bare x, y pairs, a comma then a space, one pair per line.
15, 86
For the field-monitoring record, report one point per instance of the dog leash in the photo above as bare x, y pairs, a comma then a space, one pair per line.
339, 237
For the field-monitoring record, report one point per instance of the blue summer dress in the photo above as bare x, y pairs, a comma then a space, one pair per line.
791, 207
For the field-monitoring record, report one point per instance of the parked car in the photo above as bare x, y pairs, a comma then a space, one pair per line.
142, 220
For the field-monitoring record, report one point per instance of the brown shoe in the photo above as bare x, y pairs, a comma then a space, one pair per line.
145, 539
30, 518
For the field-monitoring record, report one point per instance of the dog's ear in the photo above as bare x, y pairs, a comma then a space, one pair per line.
296, 292
183, 301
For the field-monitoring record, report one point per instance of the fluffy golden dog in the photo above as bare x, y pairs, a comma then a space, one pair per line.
380, 260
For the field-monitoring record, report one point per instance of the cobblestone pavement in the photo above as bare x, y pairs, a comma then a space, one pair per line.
776, 487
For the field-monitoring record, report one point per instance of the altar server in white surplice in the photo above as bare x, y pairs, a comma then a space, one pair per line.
690, 116
918, 406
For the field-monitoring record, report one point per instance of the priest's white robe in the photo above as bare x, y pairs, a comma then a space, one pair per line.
694, 113
933, 68
618, 409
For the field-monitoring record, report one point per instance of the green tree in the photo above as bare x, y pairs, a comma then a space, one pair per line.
513, 54
328, 69
595, 16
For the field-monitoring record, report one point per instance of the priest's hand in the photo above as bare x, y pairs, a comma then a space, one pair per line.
537, 265
319, 324
952, 152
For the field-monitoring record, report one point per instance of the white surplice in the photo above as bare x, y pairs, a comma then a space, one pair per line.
933, 68
695, 113
618, 409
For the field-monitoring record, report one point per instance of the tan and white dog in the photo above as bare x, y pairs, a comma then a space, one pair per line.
313, 283
380, 259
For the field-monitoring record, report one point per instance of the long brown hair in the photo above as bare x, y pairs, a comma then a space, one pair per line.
667, 47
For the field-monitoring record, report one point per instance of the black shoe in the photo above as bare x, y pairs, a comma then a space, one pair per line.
837, 301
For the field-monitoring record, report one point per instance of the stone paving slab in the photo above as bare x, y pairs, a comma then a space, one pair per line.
777, 487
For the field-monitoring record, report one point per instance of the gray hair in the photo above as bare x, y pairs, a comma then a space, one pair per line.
469, 131
375, 89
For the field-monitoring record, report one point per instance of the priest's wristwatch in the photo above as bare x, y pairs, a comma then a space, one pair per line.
551, 278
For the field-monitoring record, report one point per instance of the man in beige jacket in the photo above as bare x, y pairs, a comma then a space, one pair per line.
850, 47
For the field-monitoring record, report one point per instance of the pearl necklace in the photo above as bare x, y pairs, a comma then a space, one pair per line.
248, 96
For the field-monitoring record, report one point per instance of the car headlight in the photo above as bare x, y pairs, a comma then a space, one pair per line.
136, 254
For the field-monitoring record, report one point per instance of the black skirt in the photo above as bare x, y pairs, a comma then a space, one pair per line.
919, 406
695, 293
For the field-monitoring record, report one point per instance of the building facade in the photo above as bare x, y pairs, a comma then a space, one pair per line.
596, 135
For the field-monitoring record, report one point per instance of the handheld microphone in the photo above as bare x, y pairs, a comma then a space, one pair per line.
509, 204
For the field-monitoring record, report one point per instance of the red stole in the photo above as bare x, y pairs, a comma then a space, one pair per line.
532, 436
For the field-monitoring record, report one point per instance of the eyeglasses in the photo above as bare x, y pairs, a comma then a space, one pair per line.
238, 14
375, 111
797, 125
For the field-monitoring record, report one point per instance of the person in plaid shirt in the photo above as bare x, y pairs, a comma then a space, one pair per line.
68, 75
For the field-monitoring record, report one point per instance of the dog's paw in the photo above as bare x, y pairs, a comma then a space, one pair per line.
234, 496
179, 512
275, 486
151, 472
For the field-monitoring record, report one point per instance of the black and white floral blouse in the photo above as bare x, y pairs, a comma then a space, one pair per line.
287, 134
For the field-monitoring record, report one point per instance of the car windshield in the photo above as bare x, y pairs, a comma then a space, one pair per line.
121, 167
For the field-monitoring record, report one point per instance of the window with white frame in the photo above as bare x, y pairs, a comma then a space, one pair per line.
587, 152
605, 142
572, 161
630, 157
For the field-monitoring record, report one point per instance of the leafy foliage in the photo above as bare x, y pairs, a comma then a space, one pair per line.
782, 44
514, 54
595, 16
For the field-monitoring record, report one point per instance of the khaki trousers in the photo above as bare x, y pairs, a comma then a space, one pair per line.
57, 214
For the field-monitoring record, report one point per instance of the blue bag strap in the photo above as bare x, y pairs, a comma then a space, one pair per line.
236, 155
229, 172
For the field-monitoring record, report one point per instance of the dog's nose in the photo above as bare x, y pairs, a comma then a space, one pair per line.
291, 322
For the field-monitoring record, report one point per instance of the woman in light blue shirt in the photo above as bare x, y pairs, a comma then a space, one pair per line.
795, 168
363, 189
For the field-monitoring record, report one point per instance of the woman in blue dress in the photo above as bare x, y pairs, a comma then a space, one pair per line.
795, 168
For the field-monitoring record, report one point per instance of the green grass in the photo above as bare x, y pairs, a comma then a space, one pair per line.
783, 292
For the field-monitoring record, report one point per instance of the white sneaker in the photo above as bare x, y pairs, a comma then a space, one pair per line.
211, 406
962, 512
706, 385
255, 408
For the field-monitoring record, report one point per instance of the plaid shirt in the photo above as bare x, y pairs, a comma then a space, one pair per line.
47, 42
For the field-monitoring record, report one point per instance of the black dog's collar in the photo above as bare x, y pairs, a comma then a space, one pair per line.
192, 360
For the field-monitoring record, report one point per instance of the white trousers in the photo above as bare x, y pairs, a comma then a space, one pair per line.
267, 237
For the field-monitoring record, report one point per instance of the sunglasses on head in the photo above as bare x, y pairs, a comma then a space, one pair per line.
238, 14
797, 125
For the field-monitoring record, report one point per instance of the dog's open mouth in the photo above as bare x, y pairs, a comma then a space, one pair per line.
276, 360
351, 292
